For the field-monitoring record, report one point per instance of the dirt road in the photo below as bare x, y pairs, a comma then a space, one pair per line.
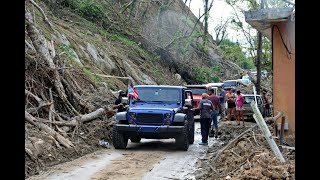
150, 159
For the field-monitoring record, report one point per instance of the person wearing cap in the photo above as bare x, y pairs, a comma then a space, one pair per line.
205, 107
239, 107
118, 103
214, 114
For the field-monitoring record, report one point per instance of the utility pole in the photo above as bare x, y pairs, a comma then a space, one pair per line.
259, 55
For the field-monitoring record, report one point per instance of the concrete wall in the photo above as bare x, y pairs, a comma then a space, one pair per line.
284, 72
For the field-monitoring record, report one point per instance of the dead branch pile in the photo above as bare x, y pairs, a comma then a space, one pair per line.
248, 157
64, 119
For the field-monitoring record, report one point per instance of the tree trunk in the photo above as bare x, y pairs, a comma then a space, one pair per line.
258, 62
40, 44
206, 16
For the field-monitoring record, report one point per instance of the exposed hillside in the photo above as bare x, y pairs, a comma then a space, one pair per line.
67, 106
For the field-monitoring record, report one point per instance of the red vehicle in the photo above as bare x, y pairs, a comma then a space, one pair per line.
197, 91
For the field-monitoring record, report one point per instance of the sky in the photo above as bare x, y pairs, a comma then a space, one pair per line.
220, 10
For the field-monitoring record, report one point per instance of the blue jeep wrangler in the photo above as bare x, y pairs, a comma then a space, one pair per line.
161, 112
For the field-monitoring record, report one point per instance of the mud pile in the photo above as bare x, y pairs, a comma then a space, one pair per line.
250, 157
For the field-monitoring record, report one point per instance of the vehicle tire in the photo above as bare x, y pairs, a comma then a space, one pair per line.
118, 139
182, 140
191, 134
135, 139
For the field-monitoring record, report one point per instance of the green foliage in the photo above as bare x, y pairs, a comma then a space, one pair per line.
90, 9
233, 51
207, 75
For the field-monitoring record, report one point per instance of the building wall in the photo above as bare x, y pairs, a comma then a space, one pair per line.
284, 72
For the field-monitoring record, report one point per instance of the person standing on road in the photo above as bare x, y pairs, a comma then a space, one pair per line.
222, 98
230, 97
214, 114
118, 104
239, 107
266, 104
205, 106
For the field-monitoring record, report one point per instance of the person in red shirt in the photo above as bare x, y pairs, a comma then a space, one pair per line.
214, 114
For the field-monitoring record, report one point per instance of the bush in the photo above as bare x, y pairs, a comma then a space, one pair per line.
207, 75
88, 8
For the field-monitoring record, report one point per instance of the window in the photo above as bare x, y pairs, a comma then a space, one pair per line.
249, 99
198, 90
158, 94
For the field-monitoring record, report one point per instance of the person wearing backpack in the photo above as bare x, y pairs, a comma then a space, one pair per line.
239, 107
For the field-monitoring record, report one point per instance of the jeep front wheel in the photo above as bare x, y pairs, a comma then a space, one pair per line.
182, 140
118, 139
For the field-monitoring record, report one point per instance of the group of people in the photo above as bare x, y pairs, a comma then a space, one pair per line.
235, 106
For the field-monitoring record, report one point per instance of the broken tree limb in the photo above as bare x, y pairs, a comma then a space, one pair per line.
39, 100
63, 141
273, 119
266, 132
43, 14
87, 106
51, 116
78, 119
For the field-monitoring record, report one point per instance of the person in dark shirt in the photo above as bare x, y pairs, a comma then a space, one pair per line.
205, 107
118, 103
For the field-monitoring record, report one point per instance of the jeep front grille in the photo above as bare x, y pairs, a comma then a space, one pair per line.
149, 118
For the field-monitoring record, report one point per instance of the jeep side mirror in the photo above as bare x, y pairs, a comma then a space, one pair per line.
188, 102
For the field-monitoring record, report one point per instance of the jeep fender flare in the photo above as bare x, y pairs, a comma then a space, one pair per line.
121, 116
180, 117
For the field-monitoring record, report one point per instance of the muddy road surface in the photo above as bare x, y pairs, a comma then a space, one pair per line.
149, 159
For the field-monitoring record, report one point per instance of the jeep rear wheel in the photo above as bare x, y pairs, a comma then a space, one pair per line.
191, 134
182, 140
135, 139
118, 139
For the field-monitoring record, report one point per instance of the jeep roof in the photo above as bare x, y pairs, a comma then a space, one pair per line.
164, 86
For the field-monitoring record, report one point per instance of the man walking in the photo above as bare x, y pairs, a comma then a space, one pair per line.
214, 114
205, 106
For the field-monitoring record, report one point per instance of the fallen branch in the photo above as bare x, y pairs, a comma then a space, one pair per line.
233, 141
271, 120
43, 14
63, 141
28, 93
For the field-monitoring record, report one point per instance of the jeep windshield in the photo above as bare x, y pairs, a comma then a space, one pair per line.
198, 90
158, 94
230, 83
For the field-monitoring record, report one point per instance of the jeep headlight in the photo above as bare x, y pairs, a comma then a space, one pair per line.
132, 114
167, 115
